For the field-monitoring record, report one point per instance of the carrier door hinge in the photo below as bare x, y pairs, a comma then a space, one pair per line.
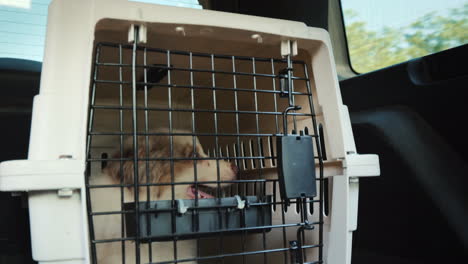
288, 47
142, 33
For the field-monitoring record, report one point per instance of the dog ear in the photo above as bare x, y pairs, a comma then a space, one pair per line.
188, 151
120, 169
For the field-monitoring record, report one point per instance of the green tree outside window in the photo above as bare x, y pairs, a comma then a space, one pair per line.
372, 50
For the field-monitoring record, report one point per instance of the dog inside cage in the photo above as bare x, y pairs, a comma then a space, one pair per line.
188, 155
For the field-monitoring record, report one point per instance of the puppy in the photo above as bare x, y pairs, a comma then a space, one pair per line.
109, 226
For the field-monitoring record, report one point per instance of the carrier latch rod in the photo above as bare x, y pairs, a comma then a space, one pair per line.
296, 165
297, 256
288, 50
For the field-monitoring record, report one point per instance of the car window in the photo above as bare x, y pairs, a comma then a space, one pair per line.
386, 32
180, 3
22, 28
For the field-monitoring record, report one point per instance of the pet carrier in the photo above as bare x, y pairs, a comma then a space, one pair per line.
174, 135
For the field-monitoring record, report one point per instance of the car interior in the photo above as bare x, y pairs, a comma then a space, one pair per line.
411, 114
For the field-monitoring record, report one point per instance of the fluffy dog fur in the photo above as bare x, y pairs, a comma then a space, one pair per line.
151, 171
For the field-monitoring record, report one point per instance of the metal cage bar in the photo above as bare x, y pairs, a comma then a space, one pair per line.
248, 150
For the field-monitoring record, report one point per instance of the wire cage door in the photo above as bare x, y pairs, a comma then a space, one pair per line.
183, 163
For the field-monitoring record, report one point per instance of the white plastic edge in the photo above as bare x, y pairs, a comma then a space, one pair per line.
187, 4
34, 175
366, 165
